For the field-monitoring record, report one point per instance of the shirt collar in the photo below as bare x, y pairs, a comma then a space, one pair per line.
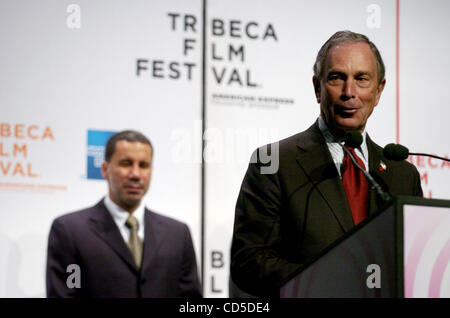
331, 138
120, 215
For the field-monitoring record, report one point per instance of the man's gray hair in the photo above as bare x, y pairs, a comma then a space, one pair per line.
341, 37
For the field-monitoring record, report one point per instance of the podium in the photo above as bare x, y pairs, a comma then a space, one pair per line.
401, 251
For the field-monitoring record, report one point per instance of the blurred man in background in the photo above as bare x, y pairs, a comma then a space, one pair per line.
119, 247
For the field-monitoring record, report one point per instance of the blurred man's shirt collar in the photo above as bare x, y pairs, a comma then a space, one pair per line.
120, 216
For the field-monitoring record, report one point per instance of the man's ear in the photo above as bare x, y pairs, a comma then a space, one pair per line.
380, 89
316, 84
105, 170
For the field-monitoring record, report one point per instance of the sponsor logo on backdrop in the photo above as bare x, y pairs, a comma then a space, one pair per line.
229, 54
183, 69
96, 142
18, 171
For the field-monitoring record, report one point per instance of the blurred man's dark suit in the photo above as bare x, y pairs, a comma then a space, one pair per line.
91, 239
271, 239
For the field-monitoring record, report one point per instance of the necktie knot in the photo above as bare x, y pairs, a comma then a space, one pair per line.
132, 223
351, 149
347, 160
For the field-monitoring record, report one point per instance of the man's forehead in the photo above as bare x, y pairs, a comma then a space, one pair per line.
124, 147
343, 53
131, 144
352, 45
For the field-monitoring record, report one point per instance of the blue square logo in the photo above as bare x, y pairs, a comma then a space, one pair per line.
96, 142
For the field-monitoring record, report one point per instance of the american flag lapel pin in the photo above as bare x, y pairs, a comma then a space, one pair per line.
382, 166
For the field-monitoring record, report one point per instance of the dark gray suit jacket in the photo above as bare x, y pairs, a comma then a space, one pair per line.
284, 219
91, 239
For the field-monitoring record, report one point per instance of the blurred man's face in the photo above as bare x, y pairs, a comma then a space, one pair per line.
349, 89
128, 173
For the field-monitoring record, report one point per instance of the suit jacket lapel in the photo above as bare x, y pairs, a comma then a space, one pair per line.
154, 233
314, 156
103, 225
379, 170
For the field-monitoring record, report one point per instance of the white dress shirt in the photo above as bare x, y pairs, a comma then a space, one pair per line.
337, 153
120, 217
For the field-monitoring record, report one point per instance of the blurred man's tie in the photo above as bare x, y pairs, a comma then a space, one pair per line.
134, 243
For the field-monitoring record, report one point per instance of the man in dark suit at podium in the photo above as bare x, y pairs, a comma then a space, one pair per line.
285, 218
119, 248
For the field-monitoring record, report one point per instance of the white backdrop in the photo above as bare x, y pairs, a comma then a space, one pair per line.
67, 67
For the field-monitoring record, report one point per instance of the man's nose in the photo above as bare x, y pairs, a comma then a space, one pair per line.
135, 171
348, 90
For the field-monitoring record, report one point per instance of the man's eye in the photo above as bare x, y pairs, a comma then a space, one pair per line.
334, 77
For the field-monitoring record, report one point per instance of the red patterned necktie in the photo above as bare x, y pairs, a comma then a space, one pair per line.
355, 186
